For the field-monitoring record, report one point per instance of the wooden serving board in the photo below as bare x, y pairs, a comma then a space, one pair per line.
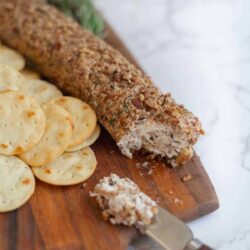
60, 218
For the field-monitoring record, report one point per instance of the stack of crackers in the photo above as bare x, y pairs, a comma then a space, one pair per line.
42, 133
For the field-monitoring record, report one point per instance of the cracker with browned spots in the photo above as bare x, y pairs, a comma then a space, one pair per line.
11, 58
43, 91
68, 169
83, 115
56, 138
22, 123
30, 74
88, 142
17, 183
10, 79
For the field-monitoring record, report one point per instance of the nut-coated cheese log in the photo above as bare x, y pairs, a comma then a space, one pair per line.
133, 110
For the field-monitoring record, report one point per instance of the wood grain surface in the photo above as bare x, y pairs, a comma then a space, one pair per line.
67, 218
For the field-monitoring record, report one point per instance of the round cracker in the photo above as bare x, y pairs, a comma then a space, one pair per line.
43, 91
88, 142
22, 122
56, 138
17, 183
10, 79
68, 169
30, 74
84, 118
11, 58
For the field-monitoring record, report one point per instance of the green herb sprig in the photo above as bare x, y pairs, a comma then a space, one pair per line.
84, 12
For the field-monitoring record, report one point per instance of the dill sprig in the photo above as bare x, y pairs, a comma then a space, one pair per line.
84, 12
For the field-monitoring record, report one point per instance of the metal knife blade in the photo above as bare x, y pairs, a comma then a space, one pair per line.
169, 231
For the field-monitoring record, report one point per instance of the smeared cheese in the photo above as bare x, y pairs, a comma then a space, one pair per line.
123, 202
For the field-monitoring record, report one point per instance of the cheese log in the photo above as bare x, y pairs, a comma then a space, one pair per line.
133, 110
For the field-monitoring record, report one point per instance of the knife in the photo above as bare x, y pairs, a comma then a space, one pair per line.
173, 234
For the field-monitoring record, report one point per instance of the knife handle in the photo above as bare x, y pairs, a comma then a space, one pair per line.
197, 245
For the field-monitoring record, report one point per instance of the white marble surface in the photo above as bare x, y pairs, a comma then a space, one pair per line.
199, 50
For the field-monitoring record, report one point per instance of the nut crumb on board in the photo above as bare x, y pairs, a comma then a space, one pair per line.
145, 167
145, 164
150, 171
187, 178
123, 202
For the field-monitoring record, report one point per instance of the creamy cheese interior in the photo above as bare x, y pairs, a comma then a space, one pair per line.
156, 139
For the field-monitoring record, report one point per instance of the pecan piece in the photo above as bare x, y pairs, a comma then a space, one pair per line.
137, 103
